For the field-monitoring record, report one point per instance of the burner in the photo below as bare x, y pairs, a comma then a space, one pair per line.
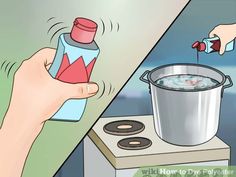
124, 127
134, 143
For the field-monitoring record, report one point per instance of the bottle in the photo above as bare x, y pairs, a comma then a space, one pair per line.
75, 57
210, 45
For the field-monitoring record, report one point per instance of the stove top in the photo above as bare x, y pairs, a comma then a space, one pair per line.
124, 127
132, 142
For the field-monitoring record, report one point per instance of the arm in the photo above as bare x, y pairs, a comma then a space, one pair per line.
15, 143
226, 33
36, 96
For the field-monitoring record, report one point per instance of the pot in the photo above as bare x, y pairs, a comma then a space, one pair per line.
186, 117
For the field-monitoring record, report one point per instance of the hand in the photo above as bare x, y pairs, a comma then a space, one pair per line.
226, 33
36, 96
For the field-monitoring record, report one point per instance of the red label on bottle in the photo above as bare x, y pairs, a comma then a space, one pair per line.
76, 72
90, 67
215, 45
64, 64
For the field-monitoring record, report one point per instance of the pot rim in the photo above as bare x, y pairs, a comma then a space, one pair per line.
187, 64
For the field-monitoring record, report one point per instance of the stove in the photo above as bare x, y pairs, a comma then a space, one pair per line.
121, 146
124, 127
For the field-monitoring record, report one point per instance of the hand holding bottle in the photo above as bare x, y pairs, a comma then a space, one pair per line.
76, 55
226, 33
36, 96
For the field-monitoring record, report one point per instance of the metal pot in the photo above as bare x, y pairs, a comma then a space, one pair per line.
184, 117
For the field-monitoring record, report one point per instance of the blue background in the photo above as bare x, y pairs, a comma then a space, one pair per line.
196, 21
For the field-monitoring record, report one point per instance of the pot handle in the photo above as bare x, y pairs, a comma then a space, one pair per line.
143, 75
230, 84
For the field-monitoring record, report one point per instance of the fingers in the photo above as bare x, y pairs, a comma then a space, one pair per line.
48, 66
212, 34
222, 47
44, 56
218, 32
66, 90
79, 91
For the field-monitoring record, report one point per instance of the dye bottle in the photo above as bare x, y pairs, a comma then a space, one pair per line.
76, 55
210, 45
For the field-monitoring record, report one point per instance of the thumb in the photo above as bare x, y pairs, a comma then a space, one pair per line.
79, 91
212, 34
222, 47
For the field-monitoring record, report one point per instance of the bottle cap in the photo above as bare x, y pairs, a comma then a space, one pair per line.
84, 30
200, 46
